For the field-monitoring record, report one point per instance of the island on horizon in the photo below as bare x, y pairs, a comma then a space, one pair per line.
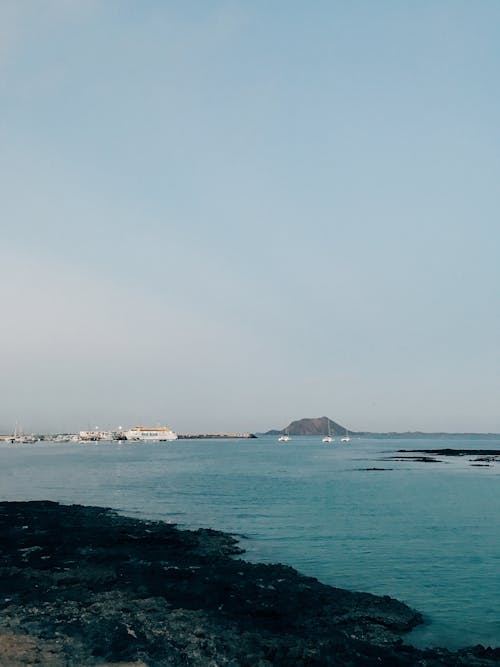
320, 426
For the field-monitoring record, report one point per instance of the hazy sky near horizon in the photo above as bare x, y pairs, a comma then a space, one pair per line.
228, 215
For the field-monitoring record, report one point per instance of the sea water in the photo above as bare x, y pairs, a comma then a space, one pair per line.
425, 533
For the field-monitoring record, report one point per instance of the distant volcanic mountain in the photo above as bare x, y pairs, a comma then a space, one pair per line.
312, 426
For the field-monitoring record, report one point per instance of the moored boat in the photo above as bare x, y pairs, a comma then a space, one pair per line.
146, 434
284, 437
328, 437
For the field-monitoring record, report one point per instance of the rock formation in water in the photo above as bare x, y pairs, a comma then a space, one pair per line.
83, 586
312, 426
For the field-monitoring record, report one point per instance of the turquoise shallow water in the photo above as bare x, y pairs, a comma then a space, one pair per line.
426, 533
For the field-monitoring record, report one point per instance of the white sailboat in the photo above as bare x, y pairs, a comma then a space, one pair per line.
328, 438
284, 437
345, 438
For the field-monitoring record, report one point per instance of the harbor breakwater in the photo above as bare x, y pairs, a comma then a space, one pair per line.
86, 586
216, 436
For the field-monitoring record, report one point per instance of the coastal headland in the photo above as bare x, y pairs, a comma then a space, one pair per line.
87, 586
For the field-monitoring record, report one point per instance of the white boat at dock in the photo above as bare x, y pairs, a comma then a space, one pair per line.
146, 434
94, 436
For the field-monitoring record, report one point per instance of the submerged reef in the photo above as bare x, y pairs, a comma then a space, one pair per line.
86, 586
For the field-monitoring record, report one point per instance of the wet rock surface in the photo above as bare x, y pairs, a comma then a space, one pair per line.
483, 457
454, 452
418, 459
86, 586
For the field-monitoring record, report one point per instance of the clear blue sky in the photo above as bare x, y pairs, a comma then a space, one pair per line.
227, 215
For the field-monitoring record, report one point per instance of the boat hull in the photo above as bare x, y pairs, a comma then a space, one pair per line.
150, 435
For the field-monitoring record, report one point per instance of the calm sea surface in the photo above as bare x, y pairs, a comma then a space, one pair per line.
426, 533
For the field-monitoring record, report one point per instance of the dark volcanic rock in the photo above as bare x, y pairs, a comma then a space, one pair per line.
417, 459
85, 586
454, 452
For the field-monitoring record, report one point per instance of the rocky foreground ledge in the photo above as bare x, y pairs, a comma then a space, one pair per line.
86, 586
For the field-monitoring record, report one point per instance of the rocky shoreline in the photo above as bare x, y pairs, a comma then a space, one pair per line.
85, 586
453, 452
